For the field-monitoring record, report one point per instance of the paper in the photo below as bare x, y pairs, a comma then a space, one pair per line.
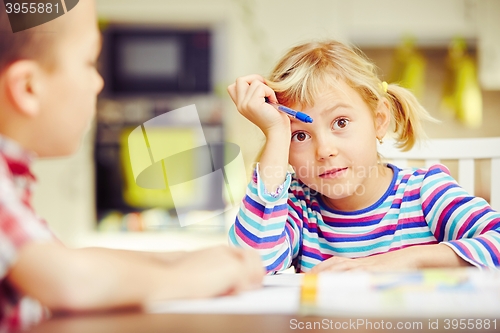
280, 294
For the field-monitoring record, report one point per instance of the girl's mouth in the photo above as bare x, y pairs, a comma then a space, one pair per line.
333, 173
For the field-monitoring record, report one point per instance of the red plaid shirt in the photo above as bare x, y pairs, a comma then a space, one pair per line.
18, 226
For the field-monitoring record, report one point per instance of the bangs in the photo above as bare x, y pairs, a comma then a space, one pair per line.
300, 77
303, 86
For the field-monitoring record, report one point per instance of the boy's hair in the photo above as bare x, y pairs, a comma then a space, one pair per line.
34, 44
305, 70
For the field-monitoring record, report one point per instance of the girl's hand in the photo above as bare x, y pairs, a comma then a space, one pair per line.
390, 261
415, 257
249, 93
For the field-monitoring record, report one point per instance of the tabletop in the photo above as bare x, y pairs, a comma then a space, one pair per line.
128, 322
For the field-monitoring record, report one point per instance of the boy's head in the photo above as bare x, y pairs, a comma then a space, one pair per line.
48, 80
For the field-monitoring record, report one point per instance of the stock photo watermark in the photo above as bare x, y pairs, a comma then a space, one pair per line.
25, 15
471, 324
181, 161
334, 181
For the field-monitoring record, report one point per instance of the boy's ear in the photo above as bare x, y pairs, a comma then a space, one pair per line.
382, 118
22, 86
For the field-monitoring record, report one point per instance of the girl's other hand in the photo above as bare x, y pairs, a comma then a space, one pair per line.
249, 93
390, 261
414, 257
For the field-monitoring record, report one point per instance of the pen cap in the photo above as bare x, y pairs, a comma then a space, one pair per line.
303, 117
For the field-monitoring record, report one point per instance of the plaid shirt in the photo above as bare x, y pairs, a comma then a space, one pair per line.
18, 226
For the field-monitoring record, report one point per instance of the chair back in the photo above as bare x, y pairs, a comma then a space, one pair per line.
464, 150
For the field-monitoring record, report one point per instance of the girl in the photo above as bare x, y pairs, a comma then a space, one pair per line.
342, 209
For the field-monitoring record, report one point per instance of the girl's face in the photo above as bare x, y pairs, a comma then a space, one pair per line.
336, 155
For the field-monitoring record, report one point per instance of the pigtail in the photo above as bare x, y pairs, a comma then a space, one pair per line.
408, 115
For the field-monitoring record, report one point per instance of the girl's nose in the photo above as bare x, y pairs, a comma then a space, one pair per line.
326, 149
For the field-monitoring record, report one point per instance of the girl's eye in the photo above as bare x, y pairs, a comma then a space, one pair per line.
300, 136
340, 123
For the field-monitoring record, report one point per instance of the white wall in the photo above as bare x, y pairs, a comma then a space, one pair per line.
64, 195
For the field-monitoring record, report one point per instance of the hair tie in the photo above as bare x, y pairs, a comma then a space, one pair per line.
384, 86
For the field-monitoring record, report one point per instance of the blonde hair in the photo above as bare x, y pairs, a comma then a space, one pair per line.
305, 70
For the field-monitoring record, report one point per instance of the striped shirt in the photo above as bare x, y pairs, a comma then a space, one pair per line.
18, 226
421, 206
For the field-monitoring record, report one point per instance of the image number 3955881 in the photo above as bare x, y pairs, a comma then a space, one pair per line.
26, 14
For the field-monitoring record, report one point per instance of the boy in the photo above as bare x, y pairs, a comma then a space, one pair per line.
48, 89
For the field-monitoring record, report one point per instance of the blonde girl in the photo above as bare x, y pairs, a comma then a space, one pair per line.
342, 208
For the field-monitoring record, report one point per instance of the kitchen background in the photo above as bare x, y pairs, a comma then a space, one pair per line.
439, 48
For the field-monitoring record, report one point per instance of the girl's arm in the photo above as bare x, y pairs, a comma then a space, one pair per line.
415, 257
465, 223
248, 94
262, 219
96, 278
269, 225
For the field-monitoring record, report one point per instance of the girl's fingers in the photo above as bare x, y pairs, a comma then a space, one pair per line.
250, 78
239, 91
255, 94
249, 93
333, 264
231, 89
258, 91
242, 84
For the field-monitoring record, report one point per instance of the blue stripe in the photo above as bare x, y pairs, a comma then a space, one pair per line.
425, 235
261, 208
254, 238
458, 246
490, 251
412, 225
413, 197
474, 220
312, 255
268, 256
232, 236
253, 189
357, 249
438, 198
495, 226
348, 239
306, 264
460, 216
287, 231
354, 223
444, 220
281, 259
478, 250
259, 226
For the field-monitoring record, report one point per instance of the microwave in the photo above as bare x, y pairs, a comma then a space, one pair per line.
142, 60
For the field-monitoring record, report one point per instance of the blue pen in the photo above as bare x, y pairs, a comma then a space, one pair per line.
296, 114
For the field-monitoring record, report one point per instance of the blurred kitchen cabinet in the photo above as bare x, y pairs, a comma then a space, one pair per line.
430, 22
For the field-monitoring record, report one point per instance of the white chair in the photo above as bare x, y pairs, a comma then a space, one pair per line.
433, 151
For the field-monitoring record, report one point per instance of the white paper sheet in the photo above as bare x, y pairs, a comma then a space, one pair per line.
280, 294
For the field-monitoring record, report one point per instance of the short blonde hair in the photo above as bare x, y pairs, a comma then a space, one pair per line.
305, 70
